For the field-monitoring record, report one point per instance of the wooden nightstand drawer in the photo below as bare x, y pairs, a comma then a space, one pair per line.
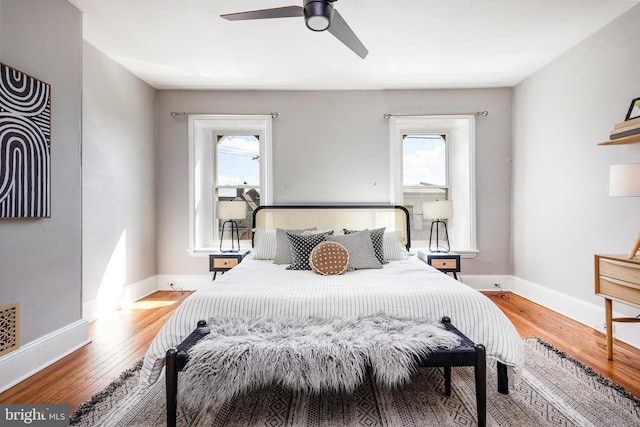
444, 263
225, 262
625, 271
619, 290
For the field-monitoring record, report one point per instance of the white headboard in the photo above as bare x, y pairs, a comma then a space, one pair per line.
332, 217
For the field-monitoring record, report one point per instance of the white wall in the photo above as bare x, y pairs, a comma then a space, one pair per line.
562, 214
40, 258
332, 147
118, 182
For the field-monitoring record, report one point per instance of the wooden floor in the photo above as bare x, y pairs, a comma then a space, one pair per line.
121, 340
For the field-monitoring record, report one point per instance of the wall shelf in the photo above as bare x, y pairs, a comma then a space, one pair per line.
631, 139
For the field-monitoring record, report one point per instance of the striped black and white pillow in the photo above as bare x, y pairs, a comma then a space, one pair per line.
264, 244
392, 246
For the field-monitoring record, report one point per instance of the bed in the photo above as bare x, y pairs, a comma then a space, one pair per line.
404, 286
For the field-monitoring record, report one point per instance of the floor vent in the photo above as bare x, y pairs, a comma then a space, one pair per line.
9, 327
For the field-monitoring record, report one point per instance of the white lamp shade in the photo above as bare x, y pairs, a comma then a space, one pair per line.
231, 209
624, 180
437, 209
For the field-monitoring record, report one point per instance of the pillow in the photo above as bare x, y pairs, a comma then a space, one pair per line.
301, 246
264, 244
283, 252
392, 246
377, 237
329, 258
361, 252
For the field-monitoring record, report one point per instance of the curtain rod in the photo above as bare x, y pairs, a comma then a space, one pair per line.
273, 115
477, 114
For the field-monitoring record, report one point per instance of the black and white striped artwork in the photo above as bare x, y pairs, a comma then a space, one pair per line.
25, 145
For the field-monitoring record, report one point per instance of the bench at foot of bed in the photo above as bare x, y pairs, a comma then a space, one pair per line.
466, 354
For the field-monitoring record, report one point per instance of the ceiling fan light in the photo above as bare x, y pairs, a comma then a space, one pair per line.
317, 14
317, 23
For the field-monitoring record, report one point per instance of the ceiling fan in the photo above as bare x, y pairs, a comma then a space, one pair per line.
319, 15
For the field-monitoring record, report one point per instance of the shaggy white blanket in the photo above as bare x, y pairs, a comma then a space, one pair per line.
306, 354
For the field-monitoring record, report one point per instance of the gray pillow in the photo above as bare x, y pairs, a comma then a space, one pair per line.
377, 238
283, 250
361, 253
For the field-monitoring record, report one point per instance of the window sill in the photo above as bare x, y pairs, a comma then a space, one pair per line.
201, 252
465, 254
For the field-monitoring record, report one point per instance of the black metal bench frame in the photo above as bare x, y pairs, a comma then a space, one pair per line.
466, 354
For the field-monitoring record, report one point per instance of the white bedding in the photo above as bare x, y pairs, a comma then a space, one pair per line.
408, 288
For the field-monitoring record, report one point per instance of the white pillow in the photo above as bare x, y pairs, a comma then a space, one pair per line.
392, 245
264, 244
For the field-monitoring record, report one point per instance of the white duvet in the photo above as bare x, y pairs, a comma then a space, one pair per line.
408, 288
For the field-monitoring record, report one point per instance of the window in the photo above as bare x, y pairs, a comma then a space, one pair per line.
424, 177
432, 159
230, 159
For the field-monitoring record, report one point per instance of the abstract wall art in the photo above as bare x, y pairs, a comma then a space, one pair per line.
25, 145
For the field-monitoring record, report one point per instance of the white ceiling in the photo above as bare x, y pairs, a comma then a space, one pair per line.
184, 44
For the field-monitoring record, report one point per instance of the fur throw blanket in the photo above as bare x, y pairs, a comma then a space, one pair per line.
306, 354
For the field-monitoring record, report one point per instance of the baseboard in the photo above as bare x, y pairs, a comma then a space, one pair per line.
91, 309
182, 283
579, 310
488, 283
37, 355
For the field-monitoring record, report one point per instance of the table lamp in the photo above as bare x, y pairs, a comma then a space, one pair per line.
231, 211
624, 181
438, 210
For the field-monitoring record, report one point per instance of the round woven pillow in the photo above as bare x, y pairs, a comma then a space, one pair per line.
329, 258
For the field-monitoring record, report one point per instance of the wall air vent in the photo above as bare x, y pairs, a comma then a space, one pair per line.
9, 327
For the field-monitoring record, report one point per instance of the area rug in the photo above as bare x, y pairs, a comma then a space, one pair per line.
555, 390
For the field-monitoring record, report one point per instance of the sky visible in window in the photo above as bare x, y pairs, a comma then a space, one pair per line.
239, 160
423, 160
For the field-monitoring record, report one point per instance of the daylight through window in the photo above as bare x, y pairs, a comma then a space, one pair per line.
432, 158
230, 159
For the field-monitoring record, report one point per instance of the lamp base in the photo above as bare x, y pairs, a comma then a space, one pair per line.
633, 252
436, 224
234, 230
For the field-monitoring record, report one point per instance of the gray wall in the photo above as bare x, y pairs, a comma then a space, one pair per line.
331, 147
562, 214
40, 258
118, 177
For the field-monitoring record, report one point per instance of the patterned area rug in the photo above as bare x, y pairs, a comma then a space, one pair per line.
555, 390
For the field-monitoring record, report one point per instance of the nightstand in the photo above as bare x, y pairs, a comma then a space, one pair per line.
225, 261
447, 262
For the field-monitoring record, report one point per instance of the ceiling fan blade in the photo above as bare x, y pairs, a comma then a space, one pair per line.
278, 12
341, 30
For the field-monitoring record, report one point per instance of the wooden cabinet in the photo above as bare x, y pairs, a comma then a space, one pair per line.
617, 278
225, 261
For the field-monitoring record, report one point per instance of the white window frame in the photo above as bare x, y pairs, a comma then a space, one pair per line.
459, 131
203, 131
